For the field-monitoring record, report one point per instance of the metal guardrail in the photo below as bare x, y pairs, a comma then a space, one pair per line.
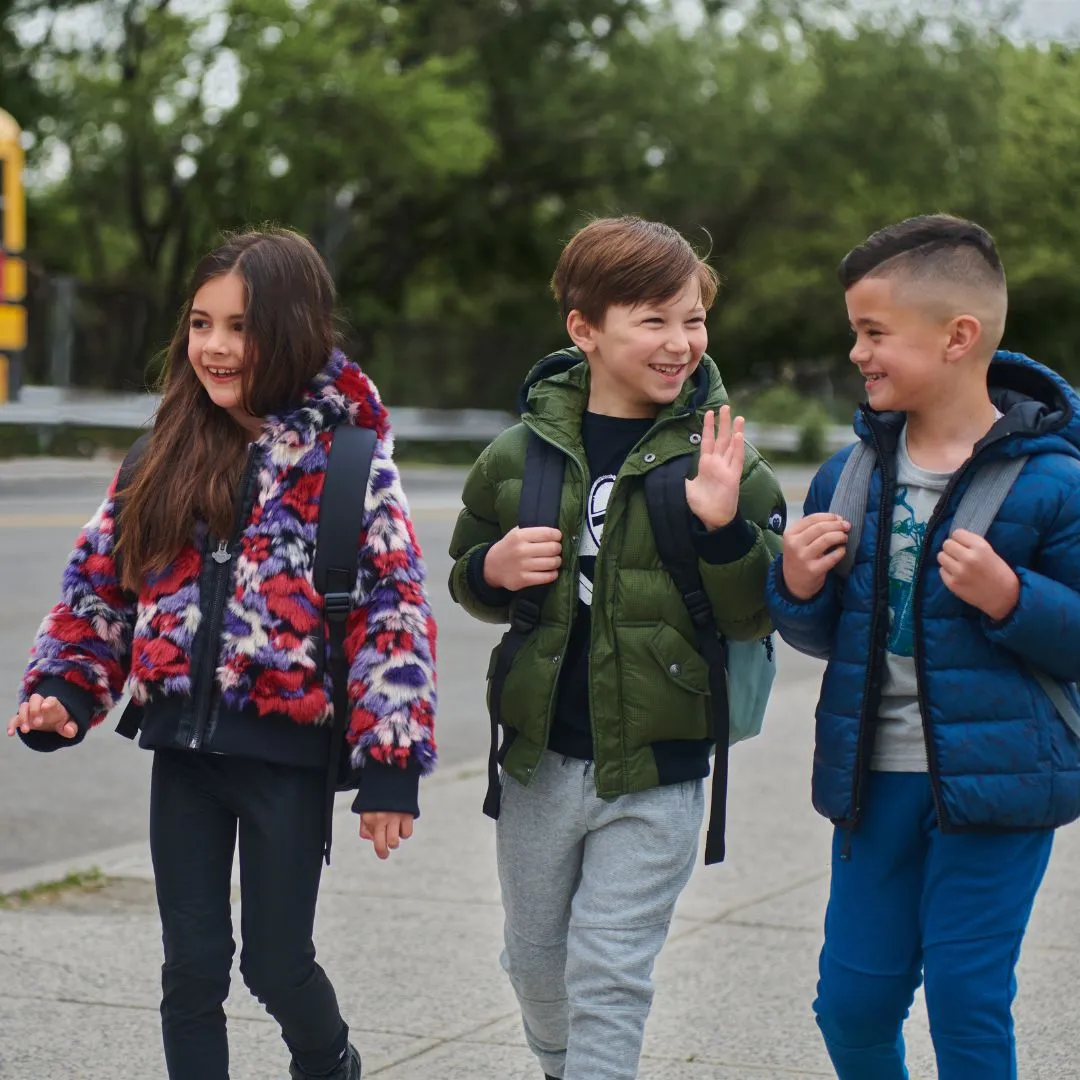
44, 407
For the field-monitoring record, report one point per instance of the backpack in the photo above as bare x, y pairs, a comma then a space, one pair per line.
978, 507
334, 572
741, 673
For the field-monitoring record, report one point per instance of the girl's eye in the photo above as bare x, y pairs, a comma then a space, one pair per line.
198, 324
238, 328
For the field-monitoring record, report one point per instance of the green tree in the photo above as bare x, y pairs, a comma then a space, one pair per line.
176, 127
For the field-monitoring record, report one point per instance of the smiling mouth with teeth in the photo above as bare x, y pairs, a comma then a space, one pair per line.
672, 369
223, 373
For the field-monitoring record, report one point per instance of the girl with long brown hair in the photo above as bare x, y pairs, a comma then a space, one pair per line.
193, 586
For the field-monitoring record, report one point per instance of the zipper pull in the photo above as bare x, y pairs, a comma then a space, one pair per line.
222, 555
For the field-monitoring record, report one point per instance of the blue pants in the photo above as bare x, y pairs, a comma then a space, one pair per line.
911, 902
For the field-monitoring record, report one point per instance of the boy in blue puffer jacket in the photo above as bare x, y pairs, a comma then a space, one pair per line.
942, 763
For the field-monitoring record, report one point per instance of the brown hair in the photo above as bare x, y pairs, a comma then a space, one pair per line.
191, 467
627, 260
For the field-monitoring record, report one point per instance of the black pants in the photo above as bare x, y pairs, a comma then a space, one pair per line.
197, 803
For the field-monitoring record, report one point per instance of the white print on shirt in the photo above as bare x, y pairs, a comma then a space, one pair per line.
589, 546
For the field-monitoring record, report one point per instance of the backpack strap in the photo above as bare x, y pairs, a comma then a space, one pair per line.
979, 505
341, 513
541, 496
132, 717
669, 516
1060, 700
982, 500
849, 499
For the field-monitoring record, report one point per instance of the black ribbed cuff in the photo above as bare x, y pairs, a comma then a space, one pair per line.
727, 544
488, 595
80, 705
388, 788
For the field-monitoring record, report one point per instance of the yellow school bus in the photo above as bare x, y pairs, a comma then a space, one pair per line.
12, 260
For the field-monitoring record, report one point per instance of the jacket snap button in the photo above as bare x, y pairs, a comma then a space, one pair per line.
695, 438
675, 669
649, 458
556, 659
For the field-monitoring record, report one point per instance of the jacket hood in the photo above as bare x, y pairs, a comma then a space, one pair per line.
1040, 410
340, 394
703, 390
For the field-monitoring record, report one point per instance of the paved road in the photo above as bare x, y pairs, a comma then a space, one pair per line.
94, 797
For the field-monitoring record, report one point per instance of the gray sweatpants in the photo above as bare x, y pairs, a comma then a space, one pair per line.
588, 888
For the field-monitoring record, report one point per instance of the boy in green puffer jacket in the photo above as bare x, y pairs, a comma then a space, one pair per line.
606, 708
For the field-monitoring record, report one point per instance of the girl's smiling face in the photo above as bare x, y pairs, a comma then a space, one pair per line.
216, 344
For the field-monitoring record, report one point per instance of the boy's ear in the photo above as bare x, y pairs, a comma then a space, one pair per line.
582, 332
965, 333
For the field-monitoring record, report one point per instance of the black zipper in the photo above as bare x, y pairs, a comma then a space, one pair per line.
207, 694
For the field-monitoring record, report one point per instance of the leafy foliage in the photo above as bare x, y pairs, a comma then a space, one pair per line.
440, 153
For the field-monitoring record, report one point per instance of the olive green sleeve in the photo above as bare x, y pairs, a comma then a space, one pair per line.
736, 586
477, 528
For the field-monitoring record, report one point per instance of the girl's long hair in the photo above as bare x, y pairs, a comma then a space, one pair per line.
191, 467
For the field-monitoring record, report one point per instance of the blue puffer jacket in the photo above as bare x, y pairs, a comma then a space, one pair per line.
999, 755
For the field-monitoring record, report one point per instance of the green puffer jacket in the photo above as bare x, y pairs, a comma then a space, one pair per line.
647, 682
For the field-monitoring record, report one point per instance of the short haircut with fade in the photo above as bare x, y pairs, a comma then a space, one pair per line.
954, 261
627, 260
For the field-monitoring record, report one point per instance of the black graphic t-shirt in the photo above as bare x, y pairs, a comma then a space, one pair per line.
608, 440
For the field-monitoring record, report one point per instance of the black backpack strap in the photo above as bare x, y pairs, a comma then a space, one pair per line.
541, 496
132, 717
669, 516
341, 514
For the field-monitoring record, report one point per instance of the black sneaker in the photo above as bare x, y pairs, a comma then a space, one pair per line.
349, 1069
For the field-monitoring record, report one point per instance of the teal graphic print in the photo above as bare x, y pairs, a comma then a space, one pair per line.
907, 538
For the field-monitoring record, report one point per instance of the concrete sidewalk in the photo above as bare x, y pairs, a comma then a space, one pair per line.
412, 946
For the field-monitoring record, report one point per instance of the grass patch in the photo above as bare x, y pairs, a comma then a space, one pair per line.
83, 881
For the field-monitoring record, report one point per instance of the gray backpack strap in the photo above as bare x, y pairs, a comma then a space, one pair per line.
849, 499
1056, 693
979, 505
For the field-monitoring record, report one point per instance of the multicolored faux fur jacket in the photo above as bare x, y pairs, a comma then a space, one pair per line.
268, 694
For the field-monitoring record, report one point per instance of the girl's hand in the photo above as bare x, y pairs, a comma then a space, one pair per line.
43, 714
713, 494
385, 830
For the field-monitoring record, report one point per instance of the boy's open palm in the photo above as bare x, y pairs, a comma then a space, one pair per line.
713, 494
812, 547
523, 558
43, 714
978, 575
